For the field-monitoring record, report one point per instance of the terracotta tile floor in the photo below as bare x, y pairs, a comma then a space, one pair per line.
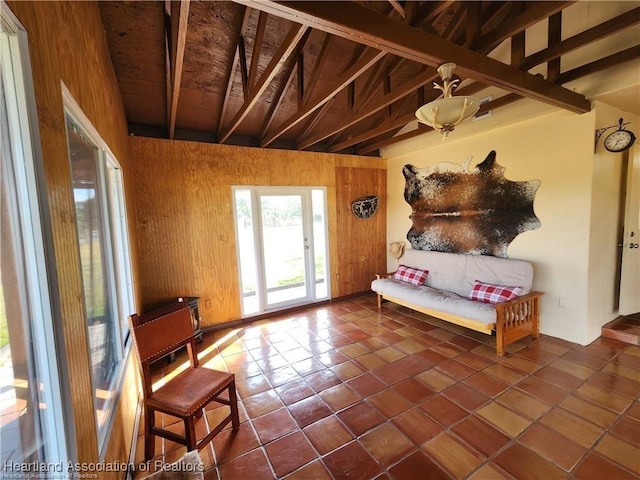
343, 391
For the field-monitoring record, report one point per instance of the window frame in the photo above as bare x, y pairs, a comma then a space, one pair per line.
31, 206
118, 262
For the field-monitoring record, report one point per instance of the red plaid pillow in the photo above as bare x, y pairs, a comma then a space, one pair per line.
410, 275
487, 293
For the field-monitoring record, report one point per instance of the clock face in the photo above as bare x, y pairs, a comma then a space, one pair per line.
619, 140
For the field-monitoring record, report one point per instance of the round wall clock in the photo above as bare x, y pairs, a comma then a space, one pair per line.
619, 141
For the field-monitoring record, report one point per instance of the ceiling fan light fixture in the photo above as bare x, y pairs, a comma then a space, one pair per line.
443, 114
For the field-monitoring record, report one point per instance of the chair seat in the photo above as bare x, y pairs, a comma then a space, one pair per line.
184, 394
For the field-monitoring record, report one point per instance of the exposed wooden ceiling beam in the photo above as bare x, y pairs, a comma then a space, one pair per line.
474, 23
353, 72
279, 59
315, 118
449, 33
554, 36
284, 85
364, 26
615, 25
242, 64
232, 69
315, 73
492, 105
429, 11
358, 54
257, 46
363, 150
418, 17
177, 40
399, 92
396, 123
377, 76
375, 79
535, 12
518, 44
384, 127
629, 54
397, 6
614, 60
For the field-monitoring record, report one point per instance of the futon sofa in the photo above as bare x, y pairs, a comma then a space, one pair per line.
484, 293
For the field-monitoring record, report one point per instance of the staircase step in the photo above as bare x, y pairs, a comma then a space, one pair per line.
623, 329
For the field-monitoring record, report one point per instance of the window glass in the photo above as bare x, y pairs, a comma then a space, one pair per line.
32, 425
104, 259
19, 420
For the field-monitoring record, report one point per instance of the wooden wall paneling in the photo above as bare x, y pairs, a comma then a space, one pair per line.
313, 169
332, 227
196, 179
211, 233
67, 44
361, 242
162, 206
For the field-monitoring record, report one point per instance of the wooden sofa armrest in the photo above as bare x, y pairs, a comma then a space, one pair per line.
516, 319
384, 275
378, 277
519, 299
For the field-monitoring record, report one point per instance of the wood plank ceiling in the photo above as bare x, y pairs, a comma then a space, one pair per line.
333, 76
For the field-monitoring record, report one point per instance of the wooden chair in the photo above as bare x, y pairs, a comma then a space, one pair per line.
155, 335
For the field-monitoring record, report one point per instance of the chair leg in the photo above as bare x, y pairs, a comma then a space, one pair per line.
190, 433
233, 403
149, 438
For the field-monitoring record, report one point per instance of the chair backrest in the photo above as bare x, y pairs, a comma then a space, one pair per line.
159, 332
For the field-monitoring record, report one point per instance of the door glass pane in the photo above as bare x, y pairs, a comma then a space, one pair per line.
93, 240
319, 243
246, 252
284, 247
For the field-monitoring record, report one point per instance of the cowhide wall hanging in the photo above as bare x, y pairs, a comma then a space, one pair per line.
473, 211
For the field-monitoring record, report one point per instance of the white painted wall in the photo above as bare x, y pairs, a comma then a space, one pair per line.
606, 223
573, 250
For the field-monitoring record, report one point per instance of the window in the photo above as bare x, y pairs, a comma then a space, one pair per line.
104, 258
32, 427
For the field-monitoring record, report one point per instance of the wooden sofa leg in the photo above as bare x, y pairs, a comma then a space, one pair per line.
499, 341
535, 321
379, 301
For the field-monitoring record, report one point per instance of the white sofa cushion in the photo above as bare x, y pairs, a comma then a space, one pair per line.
442, 301
457, 272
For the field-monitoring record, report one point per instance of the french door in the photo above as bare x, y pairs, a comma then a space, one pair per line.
282, 247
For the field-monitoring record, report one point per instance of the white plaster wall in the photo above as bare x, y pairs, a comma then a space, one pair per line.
605, 231
555, 147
